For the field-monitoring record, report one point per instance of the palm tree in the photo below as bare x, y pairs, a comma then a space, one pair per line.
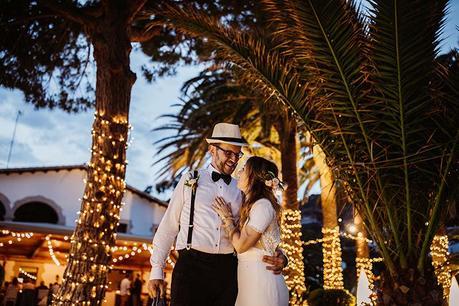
215, 96
331, 246
384, 110
439, 253
362, 260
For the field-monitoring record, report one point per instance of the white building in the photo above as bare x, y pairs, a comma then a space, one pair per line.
44, 202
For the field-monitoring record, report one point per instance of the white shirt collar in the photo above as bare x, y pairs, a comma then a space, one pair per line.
211, 168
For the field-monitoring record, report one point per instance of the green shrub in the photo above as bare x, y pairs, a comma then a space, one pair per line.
331, 297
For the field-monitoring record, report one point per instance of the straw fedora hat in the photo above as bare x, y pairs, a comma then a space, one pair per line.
227, 133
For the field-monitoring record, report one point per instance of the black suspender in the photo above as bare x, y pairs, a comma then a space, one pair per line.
190, 226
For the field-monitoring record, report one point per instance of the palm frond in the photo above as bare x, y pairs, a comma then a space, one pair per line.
405, 41
373, 93
262, 67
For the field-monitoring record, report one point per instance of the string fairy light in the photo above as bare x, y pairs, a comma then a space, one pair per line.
439, 252
51, 250
359, 236
129, 252
27, 274
342, 234
17, 237
331, 248
314, 241
366, 265
292, 245
17, 234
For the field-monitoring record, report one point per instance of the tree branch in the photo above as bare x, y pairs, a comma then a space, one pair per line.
68, 12
143, 34
24, 20
134, 7
94, 11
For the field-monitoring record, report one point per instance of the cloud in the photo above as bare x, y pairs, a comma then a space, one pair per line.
20, 155
43, 137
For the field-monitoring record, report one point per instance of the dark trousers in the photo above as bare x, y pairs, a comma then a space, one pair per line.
202, 279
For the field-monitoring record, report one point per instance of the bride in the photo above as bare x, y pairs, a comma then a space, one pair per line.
256, 234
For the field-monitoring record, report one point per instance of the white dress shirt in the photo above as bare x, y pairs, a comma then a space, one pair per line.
208, 234
124, 287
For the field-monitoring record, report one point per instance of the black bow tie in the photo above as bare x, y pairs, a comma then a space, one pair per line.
225, 177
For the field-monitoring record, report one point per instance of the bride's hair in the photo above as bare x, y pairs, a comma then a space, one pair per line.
259, 170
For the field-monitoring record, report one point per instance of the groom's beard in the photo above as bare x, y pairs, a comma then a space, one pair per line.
226, 167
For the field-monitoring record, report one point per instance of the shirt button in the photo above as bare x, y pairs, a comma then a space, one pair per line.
216, 245
220, 187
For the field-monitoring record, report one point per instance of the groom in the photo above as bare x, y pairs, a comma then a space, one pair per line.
205, 272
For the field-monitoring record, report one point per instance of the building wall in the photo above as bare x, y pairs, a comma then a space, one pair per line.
63, 189
142, 215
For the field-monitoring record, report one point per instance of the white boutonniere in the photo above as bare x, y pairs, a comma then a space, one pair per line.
192, 182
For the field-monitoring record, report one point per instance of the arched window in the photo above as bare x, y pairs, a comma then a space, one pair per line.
36, 212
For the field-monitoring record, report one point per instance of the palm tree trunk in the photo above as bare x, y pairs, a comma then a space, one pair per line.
363, 260
409, 287
291, 219
289, 161
333, 276
361, 243
85, 277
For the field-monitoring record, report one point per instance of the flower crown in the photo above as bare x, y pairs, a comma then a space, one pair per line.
273, 181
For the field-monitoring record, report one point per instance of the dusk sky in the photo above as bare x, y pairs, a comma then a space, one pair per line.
54, 138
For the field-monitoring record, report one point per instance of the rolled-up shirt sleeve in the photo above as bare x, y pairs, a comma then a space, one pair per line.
167, 231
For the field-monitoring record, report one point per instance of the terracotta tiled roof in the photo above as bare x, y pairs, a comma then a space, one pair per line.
134, 190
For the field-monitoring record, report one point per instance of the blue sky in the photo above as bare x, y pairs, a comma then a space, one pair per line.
51, 138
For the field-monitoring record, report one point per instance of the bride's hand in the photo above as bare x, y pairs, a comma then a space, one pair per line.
223, 209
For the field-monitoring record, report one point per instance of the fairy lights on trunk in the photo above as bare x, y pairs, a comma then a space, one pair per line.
292, 245
439, 252
331, 248
90, 255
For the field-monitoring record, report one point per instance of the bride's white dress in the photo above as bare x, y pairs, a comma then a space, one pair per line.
256, 285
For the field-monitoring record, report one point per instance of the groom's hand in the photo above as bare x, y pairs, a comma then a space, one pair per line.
275, 263
155, 285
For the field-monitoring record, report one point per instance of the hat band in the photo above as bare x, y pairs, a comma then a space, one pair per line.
228, 139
